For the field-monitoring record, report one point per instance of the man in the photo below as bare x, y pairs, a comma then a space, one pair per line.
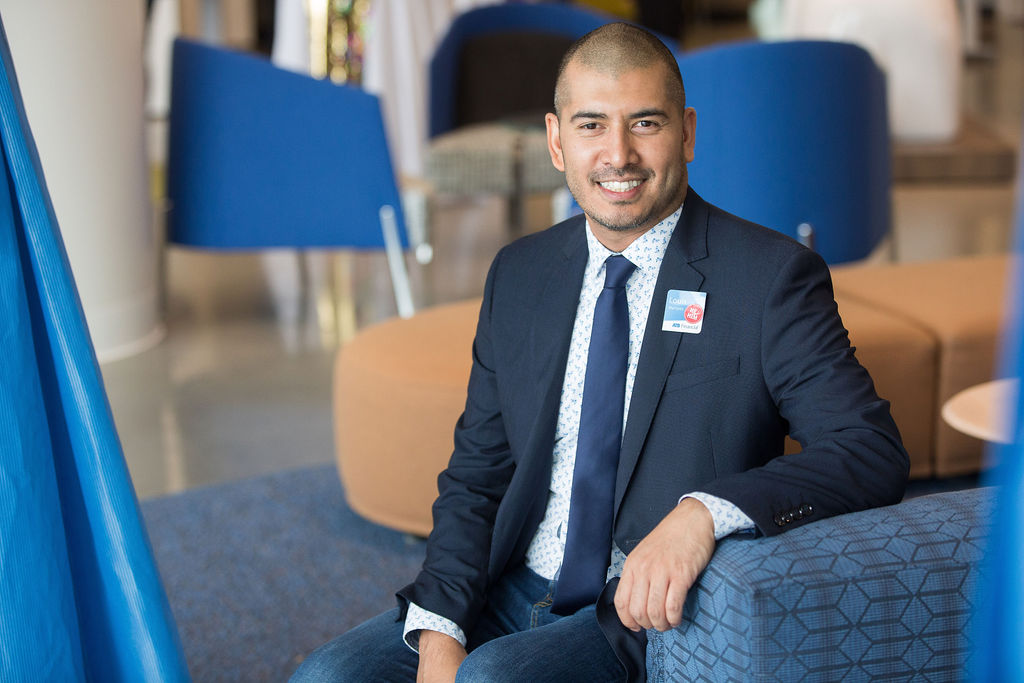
581, 456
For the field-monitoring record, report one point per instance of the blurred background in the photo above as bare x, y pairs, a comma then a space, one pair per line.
218, 365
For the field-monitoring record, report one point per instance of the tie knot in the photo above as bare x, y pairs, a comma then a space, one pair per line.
617, 269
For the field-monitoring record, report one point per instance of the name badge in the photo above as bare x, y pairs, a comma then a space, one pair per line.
684, 311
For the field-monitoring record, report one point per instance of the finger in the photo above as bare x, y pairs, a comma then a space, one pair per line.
638, 602
623, 594
674, 601
656, 603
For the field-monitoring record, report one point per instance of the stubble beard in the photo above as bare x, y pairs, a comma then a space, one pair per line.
607, 220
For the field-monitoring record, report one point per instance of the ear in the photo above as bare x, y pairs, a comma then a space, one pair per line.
689, 133
554, 142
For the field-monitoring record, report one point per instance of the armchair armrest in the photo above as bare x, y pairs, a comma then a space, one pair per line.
883, 592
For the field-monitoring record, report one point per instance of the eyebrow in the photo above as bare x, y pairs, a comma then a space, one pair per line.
646, 113
643, 113
588, 115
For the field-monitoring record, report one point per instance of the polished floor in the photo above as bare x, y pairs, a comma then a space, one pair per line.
241, 385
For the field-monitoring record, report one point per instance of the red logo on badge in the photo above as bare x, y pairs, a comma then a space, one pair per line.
693, 313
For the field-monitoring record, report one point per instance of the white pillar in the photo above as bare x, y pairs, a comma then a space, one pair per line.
916, 42
80, 69
1010, 10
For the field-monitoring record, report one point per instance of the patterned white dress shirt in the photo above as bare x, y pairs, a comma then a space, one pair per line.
544, 555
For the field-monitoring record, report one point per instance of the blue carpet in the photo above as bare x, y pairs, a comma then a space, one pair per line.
262, 571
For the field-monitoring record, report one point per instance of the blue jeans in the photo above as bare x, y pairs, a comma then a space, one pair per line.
516, 639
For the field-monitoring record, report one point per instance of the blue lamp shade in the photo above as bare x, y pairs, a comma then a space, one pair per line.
260, 157
791, 133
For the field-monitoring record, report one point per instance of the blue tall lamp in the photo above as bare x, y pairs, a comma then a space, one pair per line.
80, 595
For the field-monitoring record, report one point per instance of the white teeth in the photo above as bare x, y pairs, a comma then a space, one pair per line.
620, 186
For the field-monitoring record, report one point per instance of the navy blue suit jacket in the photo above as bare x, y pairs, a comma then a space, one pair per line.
709, 411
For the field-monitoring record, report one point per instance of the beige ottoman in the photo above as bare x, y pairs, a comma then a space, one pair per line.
960, 304
399, 388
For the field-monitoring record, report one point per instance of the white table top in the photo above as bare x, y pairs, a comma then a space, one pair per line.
984, 410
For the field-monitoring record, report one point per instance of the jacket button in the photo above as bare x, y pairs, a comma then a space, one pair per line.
789, 517
806, 510
779, 521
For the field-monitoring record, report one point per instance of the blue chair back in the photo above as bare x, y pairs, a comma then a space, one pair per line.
556, 19
262, 157
791, 133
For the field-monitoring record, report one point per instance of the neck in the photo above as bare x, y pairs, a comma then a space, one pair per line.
615, 240
618, 240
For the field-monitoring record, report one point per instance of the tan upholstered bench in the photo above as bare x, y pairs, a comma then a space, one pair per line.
923, 331
960, 304
901, 358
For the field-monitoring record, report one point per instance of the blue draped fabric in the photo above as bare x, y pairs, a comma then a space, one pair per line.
999, 639
80, 596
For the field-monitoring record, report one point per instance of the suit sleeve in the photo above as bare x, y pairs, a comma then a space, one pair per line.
453, 580
852, 457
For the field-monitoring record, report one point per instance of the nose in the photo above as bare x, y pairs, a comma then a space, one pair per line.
619, 151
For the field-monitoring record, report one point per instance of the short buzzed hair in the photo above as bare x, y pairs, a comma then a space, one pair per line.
616, 48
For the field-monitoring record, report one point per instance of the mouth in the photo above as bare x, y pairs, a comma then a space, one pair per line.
620, 186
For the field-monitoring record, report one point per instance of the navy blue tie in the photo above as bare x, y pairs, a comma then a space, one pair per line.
588, 542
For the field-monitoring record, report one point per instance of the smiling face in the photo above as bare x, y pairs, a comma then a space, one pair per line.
623, 143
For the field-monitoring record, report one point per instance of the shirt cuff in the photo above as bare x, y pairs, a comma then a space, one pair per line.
727, 517
418, 619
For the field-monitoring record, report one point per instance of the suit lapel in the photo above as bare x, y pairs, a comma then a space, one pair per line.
546, 346
551, 327
678, 271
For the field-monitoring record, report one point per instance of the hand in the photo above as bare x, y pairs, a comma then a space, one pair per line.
440, 657
660, 570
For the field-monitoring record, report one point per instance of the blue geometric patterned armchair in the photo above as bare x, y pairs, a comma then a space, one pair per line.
886, 593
